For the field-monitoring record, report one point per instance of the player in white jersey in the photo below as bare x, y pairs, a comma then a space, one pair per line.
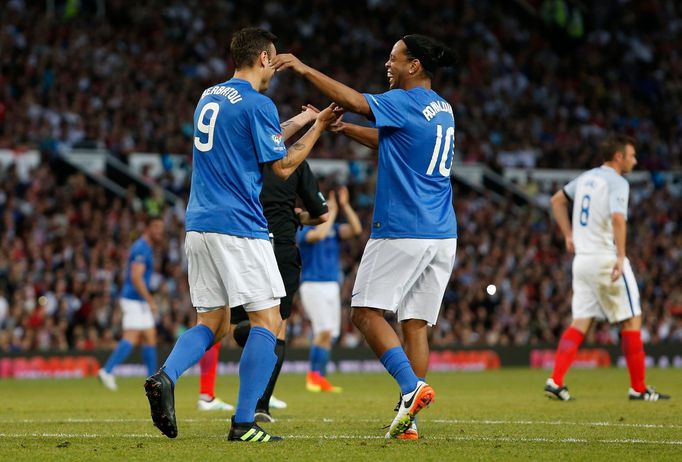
604, 286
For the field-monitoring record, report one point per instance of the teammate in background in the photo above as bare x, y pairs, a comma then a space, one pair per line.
278, 198
230, 259
604, 285
320, 289
408, 260
137, 304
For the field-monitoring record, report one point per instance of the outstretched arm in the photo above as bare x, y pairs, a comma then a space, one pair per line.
367, 136
341, 94
297, 122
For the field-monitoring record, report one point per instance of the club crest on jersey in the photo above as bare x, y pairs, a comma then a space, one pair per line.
277, 139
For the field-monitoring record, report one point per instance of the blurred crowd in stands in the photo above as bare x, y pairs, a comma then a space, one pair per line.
539, 81
63, 248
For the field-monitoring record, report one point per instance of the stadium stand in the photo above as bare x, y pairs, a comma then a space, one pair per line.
127, 79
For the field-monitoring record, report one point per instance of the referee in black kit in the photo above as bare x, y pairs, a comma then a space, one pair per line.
278, 198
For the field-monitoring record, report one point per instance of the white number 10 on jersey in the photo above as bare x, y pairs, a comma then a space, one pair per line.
206, 129
448, 147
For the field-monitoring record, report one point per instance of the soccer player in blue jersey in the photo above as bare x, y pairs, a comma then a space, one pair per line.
411, 252
230, 259
320, 289
137, 304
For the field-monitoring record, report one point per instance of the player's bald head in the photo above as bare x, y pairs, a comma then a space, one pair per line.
247, 44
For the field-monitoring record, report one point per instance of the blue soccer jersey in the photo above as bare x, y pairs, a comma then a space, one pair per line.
320, 260
416, 143
236, 129
140, 252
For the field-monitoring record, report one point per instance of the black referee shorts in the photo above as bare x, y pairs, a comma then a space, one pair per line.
289, 263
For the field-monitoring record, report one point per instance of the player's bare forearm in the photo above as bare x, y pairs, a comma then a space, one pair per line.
343, 95
367, 136
297, 153
619, 233
560, 212
141, 288
293, 125
354, 224
322, 230
307, 220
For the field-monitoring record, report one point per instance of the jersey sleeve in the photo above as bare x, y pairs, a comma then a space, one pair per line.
619, 190
309, 192
569, 189
266, 133
388, 108
139, 254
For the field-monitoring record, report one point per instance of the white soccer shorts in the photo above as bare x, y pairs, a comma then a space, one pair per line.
406, 276
225, 270
595, 296
137, 315
322, 304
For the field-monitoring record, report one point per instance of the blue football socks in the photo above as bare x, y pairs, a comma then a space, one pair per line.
319, 357
255, 368
149, 357
119, 355
188, 350
396, 363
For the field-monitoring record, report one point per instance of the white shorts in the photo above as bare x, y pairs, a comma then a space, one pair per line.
407, 276
322, 304
225, 270
137, 315
595, 296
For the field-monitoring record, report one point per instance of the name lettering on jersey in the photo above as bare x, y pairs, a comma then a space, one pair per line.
434, 108
232, 95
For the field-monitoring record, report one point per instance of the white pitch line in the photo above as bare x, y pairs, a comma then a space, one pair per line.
503, 439
327, 420
554, 422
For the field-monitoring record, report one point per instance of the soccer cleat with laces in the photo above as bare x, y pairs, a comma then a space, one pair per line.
160, 393
410, 405
216, 404
650, 394
554, 391
411, 433
250, 432
107, 379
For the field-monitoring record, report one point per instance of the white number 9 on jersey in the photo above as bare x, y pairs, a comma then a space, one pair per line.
447, 150
206, 129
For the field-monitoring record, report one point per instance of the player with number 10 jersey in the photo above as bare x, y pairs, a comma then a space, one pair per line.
408, 260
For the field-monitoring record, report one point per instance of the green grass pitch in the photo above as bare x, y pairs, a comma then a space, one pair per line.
500, 415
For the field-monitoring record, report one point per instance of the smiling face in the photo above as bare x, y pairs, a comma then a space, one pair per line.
399, 65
